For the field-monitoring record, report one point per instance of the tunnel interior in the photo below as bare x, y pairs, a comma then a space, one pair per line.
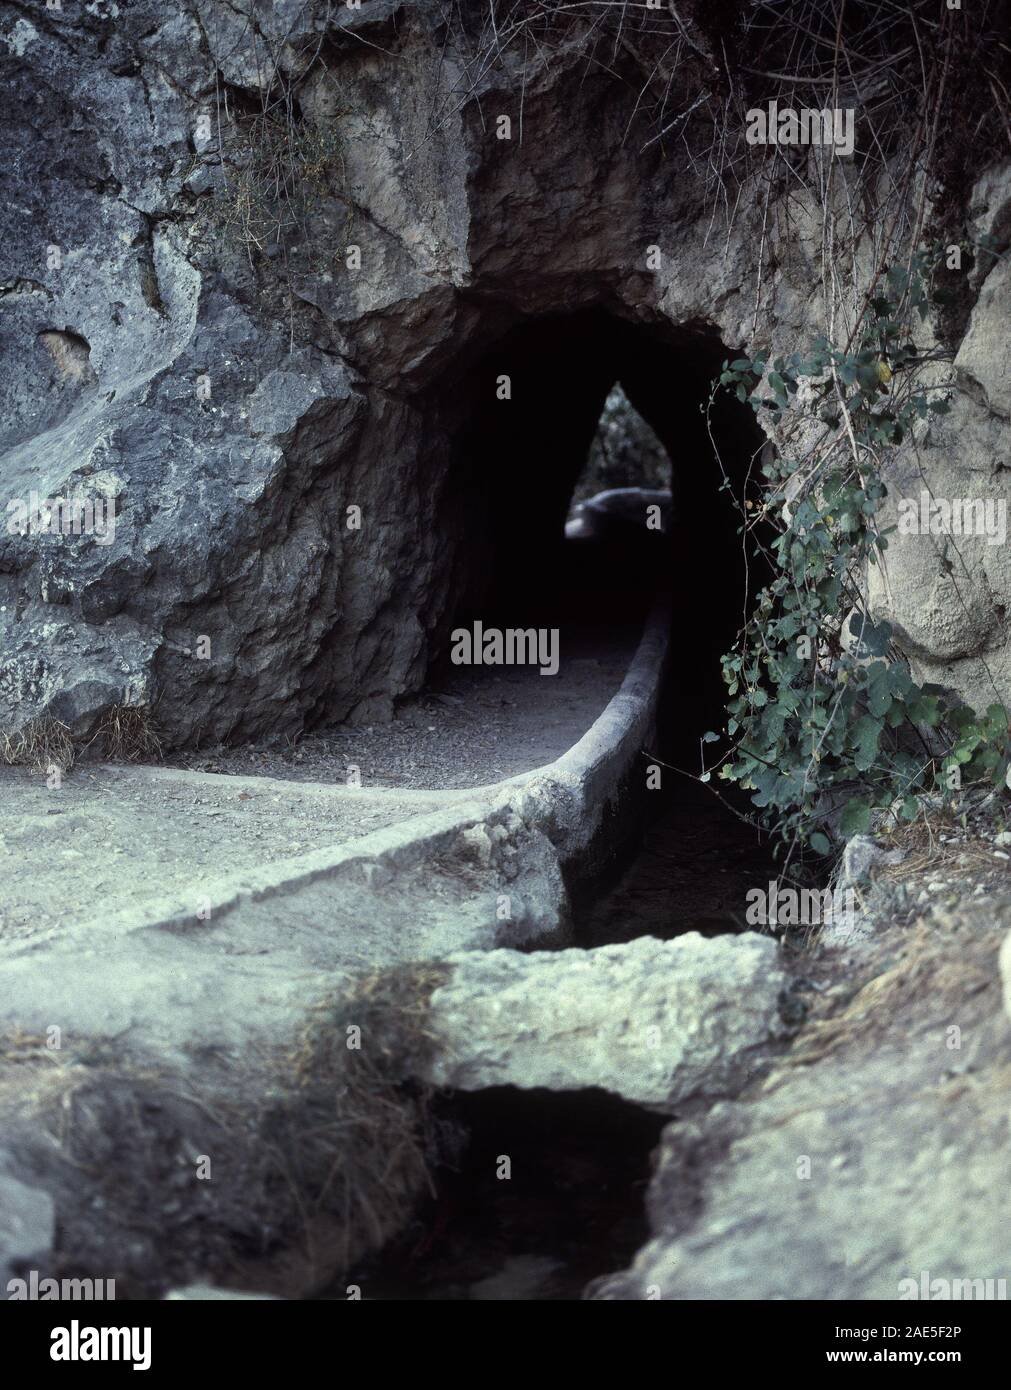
530, 409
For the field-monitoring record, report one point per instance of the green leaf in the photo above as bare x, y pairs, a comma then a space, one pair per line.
866, 738
857, 709
856, 818
925, 709
871, 638
997, 721
879, 697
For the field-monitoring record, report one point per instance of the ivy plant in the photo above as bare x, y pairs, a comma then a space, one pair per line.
825, 723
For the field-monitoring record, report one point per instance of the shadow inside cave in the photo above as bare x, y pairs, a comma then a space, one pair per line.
529, 409
517, 463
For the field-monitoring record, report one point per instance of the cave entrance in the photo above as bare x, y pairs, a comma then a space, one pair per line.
557, 408
566, 406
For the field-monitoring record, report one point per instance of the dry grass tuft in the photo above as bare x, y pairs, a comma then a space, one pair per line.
926, 852
41, 745
127, 735
281, 173
350, 1137
17, 1045
320, 1152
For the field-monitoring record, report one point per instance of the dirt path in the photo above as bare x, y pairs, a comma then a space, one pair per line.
476, 727
110, 838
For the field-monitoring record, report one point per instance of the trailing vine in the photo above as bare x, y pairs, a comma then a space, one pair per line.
825, 723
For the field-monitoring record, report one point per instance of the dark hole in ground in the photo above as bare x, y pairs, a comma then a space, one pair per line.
572, 1208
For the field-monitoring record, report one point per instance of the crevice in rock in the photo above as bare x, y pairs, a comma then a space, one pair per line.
150, 287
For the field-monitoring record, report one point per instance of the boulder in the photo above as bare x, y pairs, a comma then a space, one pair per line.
652, 1021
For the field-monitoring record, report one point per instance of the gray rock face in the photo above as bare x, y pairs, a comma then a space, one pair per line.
848, 919
872, 1162
947, 596
652, 1021
27, 1216
234, 393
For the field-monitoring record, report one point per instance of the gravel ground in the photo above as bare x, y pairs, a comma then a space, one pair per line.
110, 838
478, 726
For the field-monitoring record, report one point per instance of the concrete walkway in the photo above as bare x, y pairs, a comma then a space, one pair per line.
178, 975
121, 841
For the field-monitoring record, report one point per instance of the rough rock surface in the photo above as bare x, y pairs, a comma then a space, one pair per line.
235, 393
947, 595
27, 1216
174, 1030
652, 1021
875, 1152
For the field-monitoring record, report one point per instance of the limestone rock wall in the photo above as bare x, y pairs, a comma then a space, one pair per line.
948, 595
233, 394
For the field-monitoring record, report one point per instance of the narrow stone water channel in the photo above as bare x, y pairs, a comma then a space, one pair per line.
693, 869
542, 1192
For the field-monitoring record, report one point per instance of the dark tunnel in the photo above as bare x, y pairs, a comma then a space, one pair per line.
517, 461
